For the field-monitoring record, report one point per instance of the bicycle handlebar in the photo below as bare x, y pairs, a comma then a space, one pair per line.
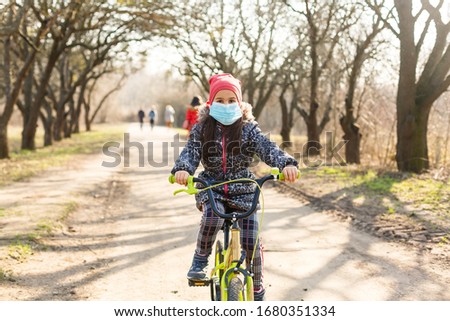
274, 175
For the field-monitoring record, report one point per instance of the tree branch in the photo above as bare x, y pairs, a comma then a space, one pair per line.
376, 9
117, 87
302, 112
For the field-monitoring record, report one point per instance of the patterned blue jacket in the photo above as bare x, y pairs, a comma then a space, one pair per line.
237, 196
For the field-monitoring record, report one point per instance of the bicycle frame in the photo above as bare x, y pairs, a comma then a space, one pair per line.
228, 260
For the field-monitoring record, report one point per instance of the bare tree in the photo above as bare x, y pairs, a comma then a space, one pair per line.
287, 111
291, 84
61, 33
72, 37
210, 40
348, 120
88, 52
205, 42
416, 97
14, 17
66, 73
420, 85
326, 21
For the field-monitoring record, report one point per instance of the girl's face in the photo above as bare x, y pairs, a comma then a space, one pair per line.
225, 97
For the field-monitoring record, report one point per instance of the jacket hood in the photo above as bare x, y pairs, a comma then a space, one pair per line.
247, 115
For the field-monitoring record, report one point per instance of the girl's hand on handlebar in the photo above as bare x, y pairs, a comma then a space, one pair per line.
181, 177
290, 173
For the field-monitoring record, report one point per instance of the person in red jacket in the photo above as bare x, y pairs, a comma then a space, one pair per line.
191, 114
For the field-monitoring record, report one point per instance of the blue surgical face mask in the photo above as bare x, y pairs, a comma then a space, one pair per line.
225, 114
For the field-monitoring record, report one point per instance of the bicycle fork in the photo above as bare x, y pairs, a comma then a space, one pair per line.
234, 258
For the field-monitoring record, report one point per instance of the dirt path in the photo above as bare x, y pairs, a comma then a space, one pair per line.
128, 238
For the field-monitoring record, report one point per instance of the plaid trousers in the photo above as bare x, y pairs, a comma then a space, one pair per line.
211, 224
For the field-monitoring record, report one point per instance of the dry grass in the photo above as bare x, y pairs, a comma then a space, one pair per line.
24, 164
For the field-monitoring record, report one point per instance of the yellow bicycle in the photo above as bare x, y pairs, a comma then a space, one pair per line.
229, 281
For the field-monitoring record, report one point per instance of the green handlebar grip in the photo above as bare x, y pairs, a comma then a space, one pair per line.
190, 185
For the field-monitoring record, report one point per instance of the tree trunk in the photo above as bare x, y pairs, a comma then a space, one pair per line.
351, 132
285, 123
313, 145
87, 110
58, 126
4, 149
70, 125
29, 134
66, 126
412, 119
87, 123
60, 106
48, 137
80, 100
79, 106
29, 130
352, 147
412, 146
12, 91
47, 121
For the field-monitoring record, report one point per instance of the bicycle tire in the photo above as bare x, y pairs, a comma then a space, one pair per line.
234, 289
215, 281
219, 256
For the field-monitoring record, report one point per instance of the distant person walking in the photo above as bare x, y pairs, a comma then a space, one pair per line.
152, 116
191, 114
141, 116
169, 116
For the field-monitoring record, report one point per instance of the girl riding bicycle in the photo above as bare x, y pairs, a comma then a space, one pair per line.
224, 140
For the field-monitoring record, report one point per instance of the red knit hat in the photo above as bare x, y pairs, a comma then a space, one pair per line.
224, 81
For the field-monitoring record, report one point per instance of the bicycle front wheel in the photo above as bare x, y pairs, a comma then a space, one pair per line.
219, 257
235, 289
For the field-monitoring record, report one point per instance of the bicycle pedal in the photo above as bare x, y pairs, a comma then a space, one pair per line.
199, 282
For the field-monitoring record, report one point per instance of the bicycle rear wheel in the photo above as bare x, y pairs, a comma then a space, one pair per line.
235, 289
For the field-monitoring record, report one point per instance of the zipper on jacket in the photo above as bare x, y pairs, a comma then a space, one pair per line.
224, 162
